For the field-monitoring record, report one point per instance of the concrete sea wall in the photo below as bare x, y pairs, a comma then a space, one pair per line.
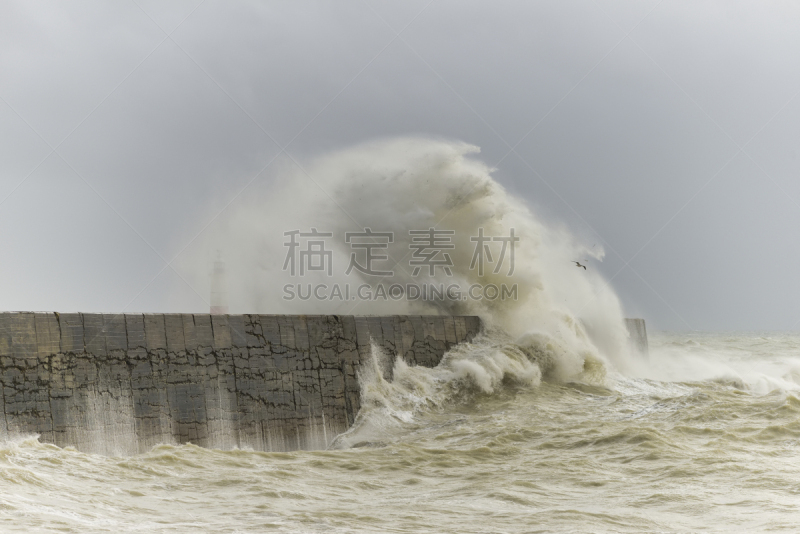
120, 384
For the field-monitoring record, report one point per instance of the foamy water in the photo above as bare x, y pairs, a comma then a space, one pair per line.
480, 444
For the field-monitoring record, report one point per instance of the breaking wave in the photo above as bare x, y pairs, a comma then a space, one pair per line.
489, 363
564, 318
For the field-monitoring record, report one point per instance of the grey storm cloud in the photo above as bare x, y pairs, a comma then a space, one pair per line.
664, 131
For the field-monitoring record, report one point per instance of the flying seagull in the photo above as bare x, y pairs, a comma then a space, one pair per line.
579, 264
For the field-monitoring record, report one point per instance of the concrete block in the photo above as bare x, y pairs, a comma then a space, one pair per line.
189, 332
237, 330
173, 328
203, 330
155, 331
23, 336
221, 331
134, 325
94, 336
48, 334
116, 332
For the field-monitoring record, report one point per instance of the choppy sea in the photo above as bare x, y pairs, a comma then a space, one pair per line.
703, 437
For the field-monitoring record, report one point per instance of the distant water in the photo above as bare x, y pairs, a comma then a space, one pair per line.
707, 438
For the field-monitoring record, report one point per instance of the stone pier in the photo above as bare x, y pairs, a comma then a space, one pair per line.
120, 384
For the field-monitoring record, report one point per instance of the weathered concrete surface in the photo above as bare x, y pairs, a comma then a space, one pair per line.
120, 384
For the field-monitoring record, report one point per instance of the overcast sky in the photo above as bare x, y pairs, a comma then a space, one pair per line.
667, 132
